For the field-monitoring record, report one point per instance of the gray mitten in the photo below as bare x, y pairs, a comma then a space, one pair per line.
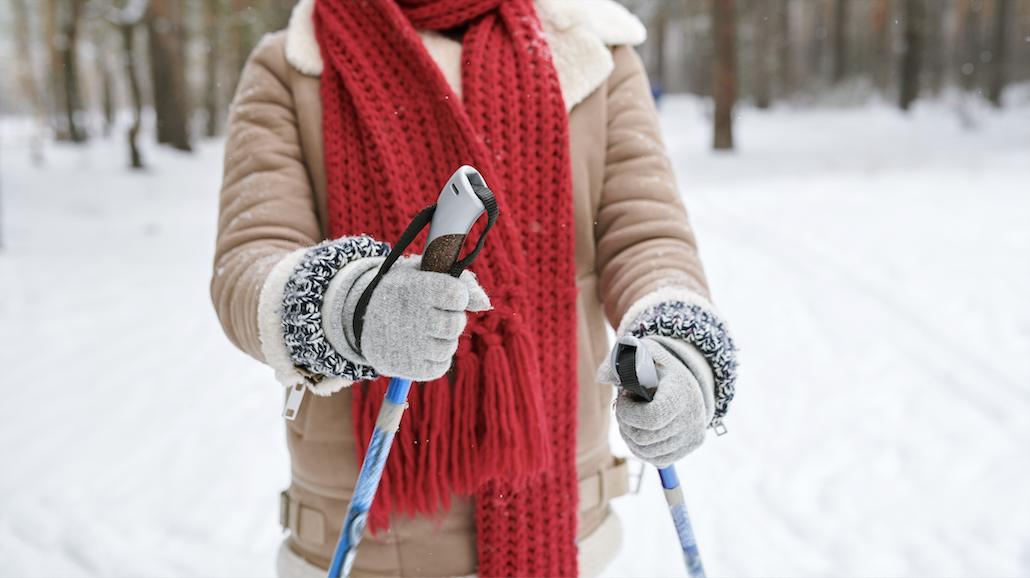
414, 319
673, 424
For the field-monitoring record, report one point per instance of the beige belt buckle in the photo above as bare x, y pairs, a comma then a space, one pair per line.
284, 509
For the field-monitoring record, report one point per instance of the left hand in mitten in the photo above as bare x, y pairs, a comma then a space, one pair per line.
673, 424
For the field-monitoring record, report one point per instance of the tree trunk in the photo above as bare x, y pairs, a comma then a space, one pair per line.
277, 14
239, 40
724, 71
934, 36
62, 23
56, 78
211, 89
127, 20
840, 37
969, 50
659, 62
1019, 67
881, 43
167, 67
108, 90
128, 31
73, 99
700, 52
912, 56
817, 40
996, 82
784, 66
764, 54
27, 76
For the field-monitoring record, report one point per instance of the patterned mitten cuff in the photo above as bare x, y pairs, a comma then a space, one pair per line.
341, 301
293, 338
683, 314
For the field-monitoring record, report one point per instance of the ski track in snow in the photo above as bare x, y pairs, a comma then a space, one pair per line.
874, 268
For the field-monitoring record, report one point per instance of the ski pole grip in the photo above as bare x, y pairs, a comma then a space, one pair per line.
463, 199
442, 253
635, 367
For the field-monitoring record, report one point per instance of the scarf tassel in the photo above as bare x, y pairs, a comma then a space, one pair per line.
515, 444
464, 445
458, 440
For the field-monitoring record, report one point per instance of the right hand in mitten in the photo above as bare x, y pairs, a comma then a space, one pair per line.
673, 424
414, 318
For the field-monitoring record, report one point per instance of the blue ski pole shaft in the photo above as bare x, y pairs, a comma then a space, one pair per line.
674, 495
461, 202
389, 419
637, 375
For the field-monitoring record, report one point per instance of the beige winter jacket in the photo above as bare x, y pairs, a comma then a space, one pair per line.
634, 249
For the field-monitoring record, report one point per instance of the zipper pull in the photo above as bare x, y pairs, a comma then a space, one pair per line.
293, 401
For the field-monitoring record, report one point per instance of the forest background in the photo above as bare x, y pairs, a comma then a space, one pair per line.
864, 227
174, 64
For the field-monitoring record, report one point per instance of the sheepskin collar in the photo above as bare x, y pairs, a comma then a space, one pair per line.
579, 33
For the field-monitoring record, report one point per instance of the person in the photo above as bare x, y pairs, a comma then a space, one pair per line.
343, 127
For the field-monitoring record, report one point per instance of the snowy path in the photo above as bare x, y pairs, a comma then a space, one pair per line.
135, 439
876, 271
874, 268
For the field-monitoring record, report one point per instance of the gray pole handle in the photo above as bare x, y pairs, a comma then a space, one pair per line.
456, 211
633, 363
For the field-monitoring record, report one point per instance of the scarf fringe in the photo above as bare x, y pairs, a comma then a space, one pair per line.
454, 439
515, 444
465, 445
531, 423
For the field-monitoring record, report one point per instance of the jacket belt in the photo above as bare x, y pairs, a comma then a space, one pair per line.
609, 482
308, 524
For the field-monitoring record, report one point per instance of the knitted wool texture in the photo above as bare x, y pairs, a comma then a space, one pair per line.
502, 426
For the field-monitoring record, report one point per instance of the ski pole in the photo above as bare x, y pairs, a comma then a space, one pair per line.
637, 375
463, 199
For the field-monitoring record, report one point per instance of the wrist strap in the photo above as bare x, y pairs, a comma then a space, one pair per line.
423, 218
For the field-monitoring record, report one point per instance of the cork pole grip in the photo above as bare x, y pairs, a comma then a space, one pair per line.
442, 253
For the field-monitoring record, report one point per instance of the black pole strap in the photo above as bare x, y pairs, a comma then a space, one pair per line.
423, 218
628, 379
486, 196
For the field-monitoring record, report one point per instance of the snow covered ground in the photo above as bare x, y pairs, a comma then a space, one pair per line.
875, 268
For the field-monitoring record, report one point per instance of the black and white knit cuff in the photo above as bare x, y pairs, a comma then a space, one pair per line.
683, 314
302, 306
290, 317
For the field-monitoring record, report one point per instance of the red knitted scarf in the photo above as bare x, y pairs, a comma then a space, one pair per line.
502, 426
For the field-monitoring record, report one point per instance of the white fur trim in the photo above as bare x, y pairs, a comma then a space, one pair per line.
578, 33
301, 46
329, 386
270, 330
602, 545
270, 320
607, 20
582, 61
663, 295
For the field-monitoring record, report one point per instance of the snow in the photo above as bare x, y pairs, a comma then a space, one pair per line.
874, 267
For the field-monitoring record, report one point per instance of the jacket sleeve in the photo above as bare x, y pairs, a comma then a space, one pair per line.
651, 279
644, 239
266, 209
271, 267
